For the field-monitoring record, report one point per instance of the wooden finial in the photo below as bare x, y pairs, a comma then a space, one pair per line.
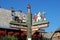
28, 6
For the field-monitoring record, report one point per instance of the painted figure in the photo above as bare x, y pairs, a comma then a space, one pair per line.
19, 16
34, 17
43, 18
19, 20
39, 17
13, 15
24, 18
43, 15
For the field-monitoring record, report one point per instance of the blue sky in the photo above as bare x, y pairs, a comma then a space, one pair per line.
52, 8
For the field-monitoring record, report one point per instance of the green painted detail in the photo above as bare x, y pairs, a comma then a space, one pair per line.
19, 24
40, 22
25, 24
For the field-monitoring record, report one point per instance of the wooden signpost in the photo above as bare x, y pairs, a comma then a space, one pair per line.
28, 23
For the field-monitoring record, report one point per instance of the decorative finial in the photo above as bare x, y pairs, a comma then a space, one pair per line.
28, 6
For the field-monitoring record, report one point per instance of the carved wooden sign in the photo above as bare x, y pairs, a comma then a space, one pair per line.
27, 22
33, 27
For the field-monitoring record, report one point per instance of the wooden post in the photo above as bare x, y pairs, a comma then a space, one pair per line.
29, 23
